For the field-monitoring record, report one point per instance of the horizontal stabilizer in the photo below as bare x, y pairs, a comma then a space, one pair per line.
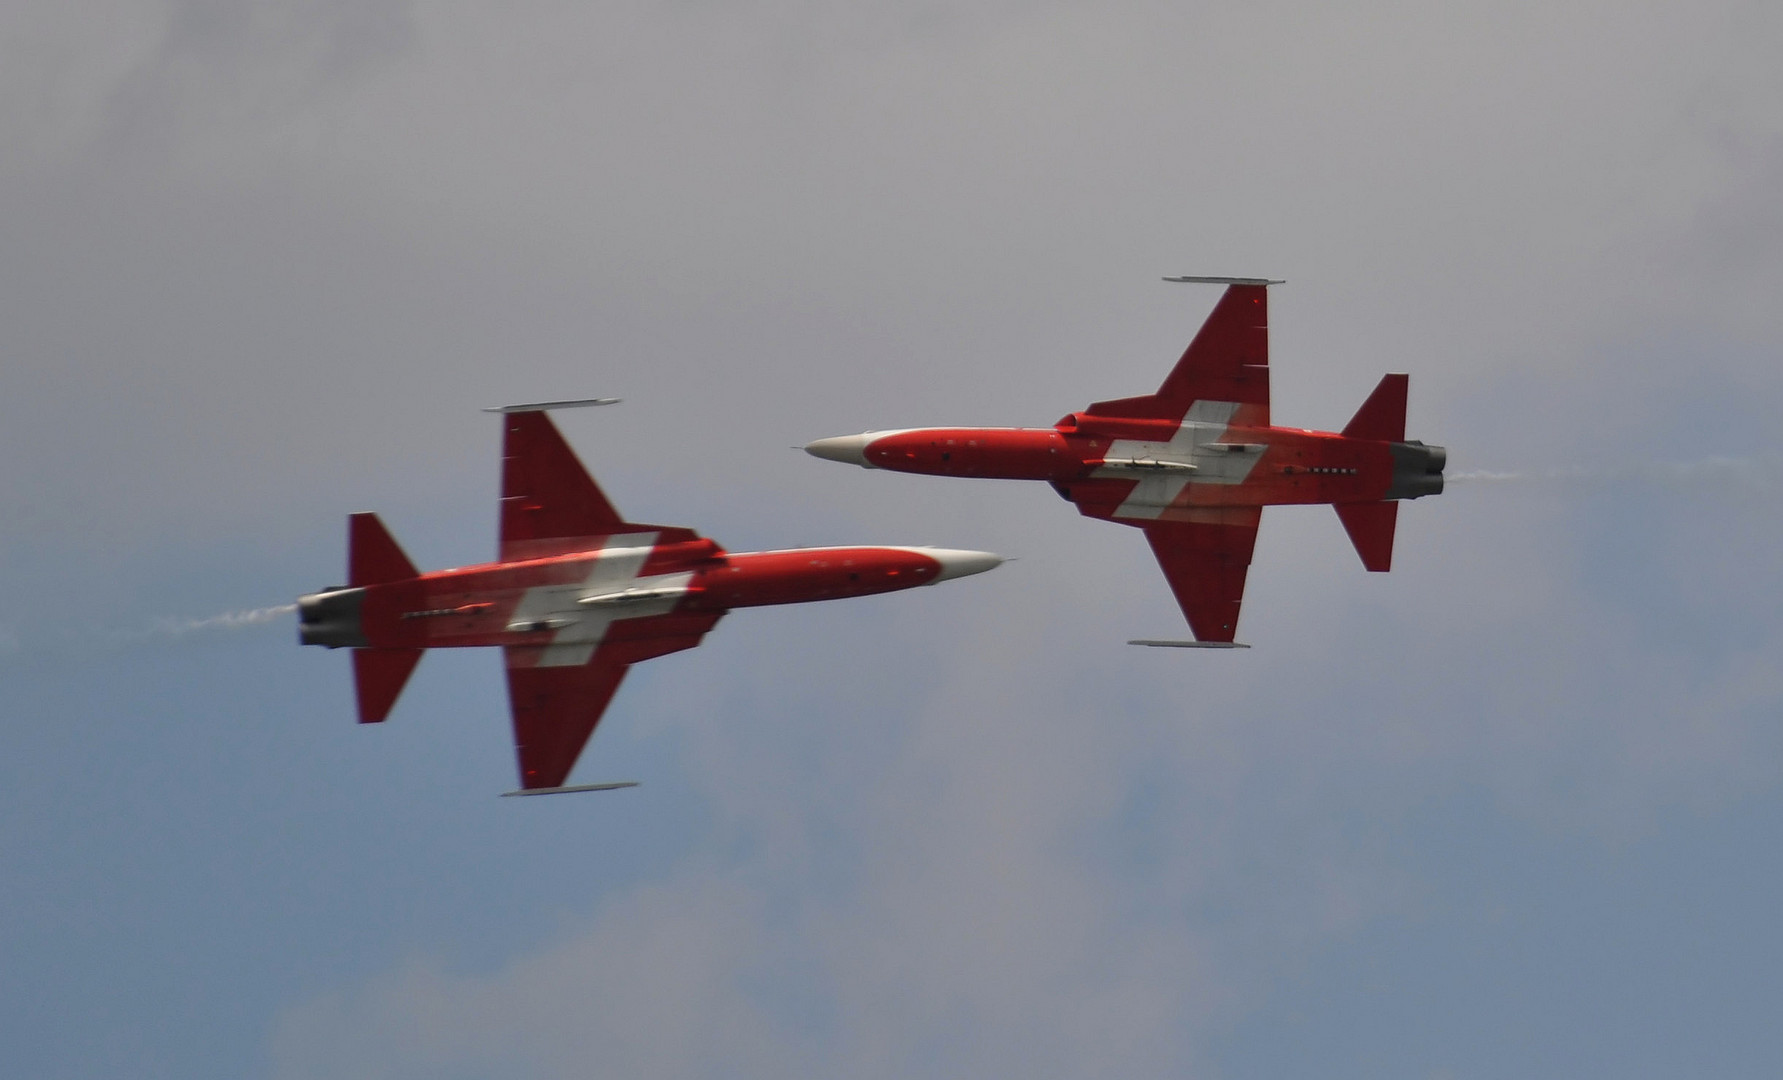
1370, 526
373, 557
1382, 416
1188, 644
379, 676
573, 787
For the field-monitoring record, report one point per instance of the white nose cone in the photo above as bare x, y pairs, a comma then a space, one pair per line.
848, 449
957, 564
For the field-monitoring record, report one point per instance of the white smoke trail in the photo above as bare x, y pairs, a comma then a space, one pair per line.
18, 643
1704, 473
1493, 476
229, 620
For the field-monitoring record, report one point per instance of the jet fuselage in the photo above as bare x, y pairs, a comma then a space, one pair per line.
584, 597
1176, 464
576, 596
1194, 463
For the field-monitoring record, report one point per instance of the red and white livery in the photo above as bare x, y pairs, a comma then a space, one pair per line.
1194, 464
577, 596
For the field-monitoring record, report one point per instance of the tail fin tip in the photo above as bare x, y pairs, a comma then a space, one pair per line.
1382, 416
378, 678
1371, 526
373, 556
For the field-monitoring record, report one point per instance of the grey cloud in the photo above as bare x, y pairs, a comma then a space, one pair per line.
120, 85
242, 71
999, 913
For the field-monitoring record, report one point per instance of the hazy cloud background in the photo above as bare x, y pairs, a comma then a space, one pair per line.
1511, 810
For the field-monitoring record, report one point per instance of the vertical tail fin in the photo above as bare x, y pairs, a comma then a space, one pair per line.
1382, 416
373, 558
1370, 526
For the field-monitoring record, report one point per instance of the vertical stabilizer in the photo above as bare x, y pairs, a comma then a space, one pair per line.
379, 676
1382, 416
1370, 526
373, 558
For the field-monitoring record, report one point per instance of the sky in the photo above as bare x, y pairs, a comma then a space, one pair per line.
1512, 810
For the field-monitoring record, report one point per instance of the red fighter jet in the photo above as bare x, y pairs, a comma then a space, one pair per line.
1195, 463
577, 596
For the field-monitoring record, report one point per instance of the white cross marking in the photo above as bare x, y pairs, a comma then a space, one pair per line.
580, 627
1206, 422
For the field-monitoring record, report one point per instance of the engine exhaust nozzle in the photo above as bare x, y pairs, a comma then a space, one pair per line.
1417, 470
331, 618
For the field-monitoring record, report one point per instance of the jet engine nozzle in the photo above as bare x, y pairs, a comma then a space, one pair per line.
331, 618
1417, 470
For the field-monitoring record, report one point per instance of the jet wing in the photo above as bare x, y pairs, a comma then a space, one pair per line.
555, 711
556, 707
1205, 562
549, 502
1227, 362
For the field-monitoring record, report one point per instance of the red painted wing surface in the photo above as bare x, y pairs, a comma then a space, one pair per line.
1205, 563
550, 505
556, 708
1227, 361
1206, 560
